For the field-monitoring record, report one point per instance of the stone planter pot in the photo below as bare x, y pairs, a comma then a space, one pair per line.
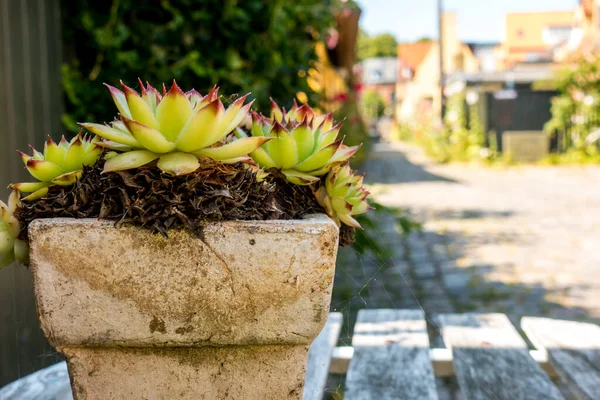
229, 315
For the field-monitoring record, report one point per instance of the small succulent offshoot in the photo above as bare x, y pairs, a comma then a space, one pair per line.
304, 146
59, 164
176, 128
343, 196
11, 247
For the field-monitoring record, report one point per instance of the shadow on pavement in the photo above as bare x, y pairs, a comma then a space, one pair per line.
389, 167
470, 214
431, 270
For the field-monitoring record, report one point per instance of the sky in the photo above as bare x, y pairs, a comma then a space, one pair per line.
478, 20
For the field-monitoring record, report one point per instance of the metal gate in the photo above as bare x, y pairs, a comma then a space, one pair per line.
521, 110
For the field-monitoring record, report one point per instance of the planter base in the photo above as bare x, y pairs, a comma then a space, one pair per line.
229, 314
231, 372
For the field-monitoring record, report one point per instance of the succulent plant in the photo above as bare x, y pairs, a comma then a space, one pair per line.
343, 195
60, 164
175, 128
304, 145
11, 247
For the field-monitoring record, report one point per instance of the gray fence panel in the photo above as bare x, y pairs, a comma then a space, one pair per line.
30, 109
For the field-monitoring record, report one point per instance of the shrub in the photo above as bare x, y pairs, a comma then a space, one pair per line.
372, 105
576, 109
460, 138
251, 45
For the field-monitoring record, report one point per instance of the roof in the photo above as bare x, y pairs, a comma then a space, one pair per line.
379, 70
555, 12
482, 46
412, 54
516, 76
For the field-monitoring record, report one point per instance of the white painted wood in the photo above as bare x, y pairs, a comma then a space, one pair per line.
440, 358
320, 357
491, 359
391, 357
541, 357
340, 360
573, 349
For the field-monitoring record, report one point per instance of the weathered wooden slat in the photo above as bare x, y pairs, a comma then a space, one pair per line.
573, 349
319, 358
440, 358
491, 360
391, 357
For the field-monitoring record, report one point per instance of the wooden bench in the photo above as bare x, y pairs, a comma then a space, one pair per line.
390, 358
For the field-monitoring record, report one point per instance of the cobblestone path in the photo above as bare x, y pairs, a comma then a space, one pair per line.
516, 240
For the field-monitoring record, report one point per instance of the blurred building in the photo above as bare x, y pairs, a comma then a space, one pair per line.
506, 101
379, 74
418, 86
585, 35
487, 55
532, 37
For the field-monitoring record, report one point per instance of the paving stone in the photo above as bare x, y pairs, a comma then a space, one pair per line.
432, 288
438, 252
424, 270
399, 267
438, 306
415, 240
420, 256
447, 266
398, 251
431, 238
456, 282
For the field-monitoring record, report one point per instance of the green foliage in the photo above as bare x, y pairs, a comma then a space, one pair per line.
353, 130
586, 155
372, 105
402, 132
384, 45
460, 138
576, 109
251, 45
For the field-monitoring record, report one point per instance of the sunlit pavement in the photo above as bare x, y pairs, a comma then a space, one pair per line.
517, 240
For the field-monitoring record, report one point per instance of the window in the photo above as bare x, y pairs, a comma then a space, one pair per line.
532, 57
406, 73
375, 75
556, 34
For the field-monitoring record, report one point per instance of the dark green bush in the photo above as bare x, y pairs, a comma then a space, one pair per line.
250, 45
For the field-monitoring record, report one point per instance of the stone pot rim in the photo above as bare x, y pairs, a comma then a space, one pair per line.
271, 225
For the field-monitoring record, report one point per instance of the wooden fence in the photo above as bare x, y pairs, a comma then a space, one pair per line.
30, 109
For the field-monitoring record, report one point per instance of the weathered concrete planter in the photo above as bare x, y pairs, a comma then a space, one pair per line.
228, 315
